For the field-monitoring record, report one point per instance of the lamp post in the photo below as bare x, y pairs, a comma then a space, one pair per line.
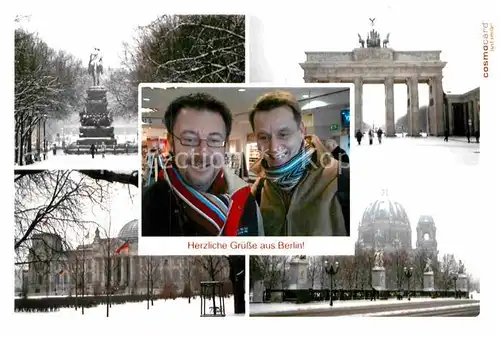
455, 278
44, 136
165, 273
331, 269
408, 273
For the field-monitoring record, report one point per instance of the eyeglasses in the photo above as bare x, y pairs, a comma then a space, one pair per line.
193, 141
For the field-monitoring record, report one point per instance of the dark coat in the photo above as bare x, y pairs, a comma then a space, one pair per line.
164, 214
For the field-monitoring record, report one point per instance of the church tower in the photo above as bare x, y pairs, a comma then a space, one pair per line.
426, 234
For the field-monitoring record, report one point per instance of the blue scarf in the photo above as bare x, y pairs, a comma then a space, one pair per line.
288, 175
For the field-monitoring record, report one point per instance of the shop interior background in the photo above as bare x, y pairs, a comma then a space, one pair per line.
325, 113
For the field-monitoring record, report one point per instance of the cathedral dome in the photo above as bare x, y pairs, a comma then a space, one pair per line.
385, 210
129, 231
385, 225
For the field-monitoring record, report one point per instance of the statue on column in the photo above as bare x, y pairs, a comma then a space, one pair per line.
378, 258
460, 267
95, 66
428, 265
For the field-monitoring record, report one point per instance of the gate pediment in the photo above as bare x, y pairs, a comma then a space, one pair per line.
373, 54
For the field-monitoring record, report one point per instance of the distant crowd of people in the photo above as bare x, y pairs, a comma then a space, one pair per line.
371, 134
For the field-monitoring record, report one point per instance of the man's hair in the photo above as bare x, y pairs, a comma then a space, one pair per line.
275, 100
197, 101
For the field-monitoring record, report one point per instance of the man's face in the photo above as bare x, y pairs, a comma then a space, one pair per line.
198, 163
279, 137
331, 144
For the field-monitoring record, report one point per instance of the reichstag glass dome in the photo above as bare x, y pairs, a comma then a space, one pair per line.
129, 231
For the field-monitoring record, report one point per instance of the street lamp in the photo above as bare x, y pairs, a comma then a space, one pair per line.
455, 278
408, 273
165, 263
331, 269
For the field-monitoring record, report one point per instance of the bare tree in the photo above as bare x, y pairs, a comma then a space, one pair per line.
314, 269
46, 81
187, 275
272, 270
212, 266
109, 246
151, 272
400, 260
54, 202
123, 92
448, 267
189, 48
366, 263
349, 271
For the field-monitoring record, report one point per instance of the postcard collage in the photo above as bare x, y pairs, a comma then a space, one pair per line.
191, 165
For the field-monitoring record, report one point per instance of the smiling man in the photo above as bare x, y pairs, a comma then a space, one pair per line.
297, 177
197, 195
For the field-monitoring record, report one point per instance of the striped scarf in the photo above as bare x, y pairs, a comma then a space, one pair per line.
219, 213
288, 175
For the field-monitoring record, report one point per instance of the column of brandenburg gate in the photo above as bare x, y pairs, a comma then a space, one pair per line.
376, 64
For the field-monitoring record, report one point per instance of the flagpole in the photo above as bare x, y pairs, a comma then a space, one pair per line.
83, 277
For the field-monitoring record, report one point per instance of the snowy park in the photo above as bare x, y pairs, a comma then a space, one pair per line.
384, 307
160, 309
85, 161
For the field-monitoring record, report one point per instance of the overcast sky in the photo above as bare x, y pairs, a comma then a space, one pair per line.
124, 208
279, 43
87, 28
425, 181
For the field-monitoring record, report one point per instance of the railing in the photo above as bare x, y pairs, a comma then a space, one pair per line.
313, 295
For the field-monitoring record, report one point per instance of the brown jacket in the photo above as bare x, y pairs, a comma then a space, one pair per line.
311, 209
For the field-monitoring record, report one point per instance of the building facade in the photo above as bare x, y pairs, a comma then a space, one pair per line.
385, 225
103, 261
463, 112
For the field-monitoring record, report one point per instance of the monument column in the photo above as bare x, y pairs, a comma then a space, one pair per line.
440, 114
465, 107
476, 114
358, 103
450, 118
437, 107
131, 270
123, 269
470, 122
431, 110
390, 129
413, 120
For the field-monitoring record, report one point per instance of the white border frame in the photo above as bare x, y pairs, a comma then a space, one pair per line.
243, 245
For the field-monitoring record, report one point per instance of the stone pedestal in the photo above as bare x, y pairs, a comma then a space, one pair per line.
358, 104
96, 120
298, 274
390, 128
428, 281
413, 116
462, 283
378, 278
258, 292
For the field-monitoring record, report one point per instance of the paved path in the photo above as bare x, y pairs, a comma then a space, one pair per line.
85, 161
379, 308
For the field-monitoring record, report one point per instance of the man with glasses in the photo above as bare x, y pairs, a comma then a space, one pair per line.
197, 195
297, 180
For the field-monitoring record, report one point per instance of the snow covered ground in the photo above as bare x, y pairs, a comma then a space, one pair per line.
261, 308
414, 311
161, 309
85, 161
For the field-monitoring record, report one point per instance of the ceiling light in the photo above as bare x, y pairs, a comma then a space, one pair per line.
146, 99
241, 90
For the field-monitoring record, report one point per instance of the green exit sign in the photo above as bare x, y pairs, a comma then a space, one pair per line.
334, 127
